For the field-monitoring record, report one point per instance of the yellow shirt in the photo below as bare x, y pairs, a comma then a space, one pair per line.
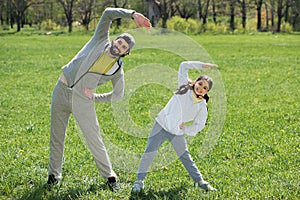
103, 64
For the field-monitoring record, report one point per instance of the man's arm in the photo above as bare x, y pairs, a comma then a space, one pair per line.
111, 14
116, 94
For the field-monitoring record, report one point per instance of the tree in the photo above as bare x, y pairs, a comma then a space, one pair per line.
64, 12
214, 11
37, 13
288, 4
295, 14
244, 12
280, 13
267, 14
258, 9
68, 11
85, 12
203, 10
272, 4
232, 14
119, 6
18, 11
2, 10
164, 7
186, 9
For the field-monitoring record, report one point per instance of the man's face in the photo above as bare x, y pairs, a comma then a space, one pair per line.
119, 47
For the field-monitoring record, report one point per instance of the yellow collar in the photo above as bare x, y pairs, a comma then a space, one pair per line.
195, 99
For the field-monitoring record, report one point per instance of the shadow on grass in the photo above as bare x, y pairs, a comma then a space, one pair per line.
44, 192
174, 193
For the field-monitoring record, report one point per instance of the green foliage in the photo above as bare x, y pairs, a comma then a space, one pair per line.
211, 27
190, 26
4, 27
256, 157
194, 26
251, 25
49, 25
286, 27
178, 24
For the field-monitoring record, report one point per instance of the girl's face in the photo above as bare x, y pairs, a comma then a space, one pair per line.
201, 88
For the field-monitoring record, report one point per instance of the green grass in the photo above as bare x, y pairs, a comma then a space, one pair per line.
255, 157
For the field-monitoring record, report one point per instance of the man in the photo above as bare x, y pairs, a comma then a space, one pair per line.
96, 63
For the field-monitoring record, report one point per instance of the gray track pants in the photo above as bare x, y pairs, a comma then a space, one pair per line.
157, 136
63, 104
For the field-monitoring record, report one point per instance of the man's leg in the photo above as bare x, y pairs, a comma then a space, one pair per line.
60, 113
84, 112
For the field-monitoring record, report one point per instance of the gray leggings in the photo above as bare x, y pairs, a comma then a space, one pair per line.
157, 136
64, 102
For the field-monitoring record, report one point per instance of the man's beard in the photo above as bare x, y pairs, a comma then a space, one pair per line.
113, 50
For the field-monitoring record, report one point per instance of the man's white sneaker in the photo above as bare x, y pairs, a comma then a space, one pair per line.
206, 186
138, 186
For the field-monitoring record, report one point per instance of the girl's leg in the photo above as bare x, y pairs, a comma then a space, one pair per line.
180, 146
156, 138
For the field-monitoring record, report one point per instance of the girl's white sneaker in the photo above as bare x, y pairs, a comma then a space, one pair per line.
138, 186
206, 186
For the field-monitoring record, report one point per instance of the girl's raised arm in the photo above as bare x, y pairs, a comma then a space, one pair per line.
186, 65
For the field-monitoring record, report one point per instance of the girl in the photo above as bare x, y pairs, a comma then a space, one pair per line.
187, 104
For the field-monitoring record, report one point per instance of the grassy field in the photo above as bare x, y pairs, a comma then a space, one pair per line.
256, 156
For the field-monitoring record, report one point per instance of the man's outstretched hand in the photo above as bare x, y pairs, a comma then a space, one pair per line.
141, 21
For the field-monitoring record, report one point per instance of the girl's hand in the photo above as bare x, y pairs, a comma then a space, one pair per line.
181, 126
88, 93
141, 20
209, 65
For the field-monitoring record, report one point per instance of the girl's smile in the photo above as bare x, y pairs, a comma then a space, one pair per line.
201, 88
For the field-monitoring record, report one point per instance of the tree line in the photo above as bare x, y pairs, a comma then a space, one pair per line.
268, 14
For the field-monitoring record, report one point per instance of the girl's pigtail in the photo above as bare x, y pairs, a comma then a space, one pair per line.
184, 88
206, 97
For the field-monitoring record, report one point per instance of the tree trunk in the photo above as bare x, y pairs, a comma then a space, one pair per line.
119, 23
70, 21
8, 11
205, 12
199, 10
12, 21
172, 8
272, 13
286, 12
18, 18
279, 14
244, 14
232, 14
267, 15
214, 11
68, 10
258, 8
163, 13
